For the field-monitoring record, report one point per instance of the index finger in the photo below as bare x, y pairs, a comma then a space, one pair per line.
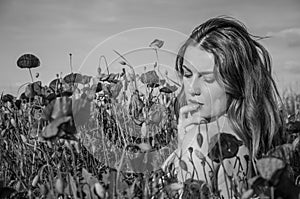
183, 112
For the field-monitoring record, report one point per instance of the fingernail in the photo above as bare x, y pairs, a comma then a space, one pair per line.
196, 106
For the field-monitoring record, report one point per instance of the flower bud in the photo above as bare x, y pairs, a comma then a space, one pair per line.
59, 186
35, 180
99, 190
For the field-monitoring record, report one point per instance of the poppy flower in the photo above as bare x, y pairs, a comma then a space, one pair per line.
55, 84
24, 98
150, 78
28, 61
136, 106
62, 107
153, 85
112, 78
81, 109
86, 79
60, 115
50, 97
33, 89
7, 98
115, 89
156, 114
37, 87
73, 78
48, 93
293, 127
195, 189
229, 147
18, 104
97, 87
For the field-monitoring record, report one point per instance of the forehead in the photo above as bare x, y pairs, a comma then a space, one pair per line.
200, 60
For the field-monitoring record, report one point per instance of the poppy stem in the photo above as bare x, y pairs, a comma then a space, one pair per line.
30, 74
157, 61
130, 66
71, 62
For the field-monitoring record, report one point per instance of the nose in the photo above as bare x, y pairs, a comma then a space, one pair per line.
195, 87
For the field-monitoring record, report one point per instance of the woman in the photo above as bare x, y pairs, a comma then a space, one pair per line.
227, 88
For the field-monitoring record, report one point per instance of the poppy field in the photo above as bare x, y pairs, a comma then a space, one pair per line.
107, 135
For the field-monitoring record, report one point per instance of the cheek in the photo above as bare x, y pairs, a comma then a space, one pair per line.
218, 97
220, 102
186, 83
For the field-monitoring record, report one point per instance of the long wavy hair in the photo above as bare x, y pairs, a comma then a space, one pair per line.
243, 66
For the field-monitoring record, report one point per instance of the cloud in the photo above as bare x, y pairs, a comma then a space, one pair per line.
286, 33
292, 67
291, 36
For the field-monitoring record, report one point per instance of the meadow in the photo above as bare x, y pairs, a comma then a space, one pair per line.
106, 136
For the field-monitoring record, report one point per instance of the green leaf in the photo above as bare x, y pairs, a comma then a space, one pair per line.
174, 186
52, 129
144, 146
285, 152
90, 180
72, 186
29, 91
88, 177
267, 167
200, 155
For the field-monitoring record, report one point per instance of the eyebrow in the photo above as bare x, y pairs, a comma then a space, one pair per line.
201, 73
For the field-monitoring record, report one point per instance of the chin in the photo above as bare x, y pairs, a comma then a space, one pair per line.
199, 114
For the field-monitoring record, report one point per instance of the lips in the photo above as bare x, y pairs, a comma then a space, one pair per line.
195, 102
199, 104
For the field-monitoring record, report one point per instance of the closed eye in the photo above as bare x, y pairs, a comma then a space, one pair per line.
209, 78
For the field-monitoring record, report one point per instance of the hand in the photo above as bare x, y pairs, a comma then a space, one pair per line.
186, 120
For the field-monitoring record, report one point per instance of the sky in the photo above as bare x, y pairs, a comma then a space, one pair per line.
51, 29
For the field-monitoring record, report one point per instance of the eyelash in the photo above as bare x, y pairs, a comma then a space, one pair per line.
188, 74
209, 79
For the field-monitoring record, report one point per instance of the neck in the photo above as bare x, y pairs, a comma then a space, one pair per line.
213, 119
219, 124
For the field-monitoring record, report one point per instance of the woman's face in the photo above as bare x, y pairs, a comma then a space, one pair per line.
200, 84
